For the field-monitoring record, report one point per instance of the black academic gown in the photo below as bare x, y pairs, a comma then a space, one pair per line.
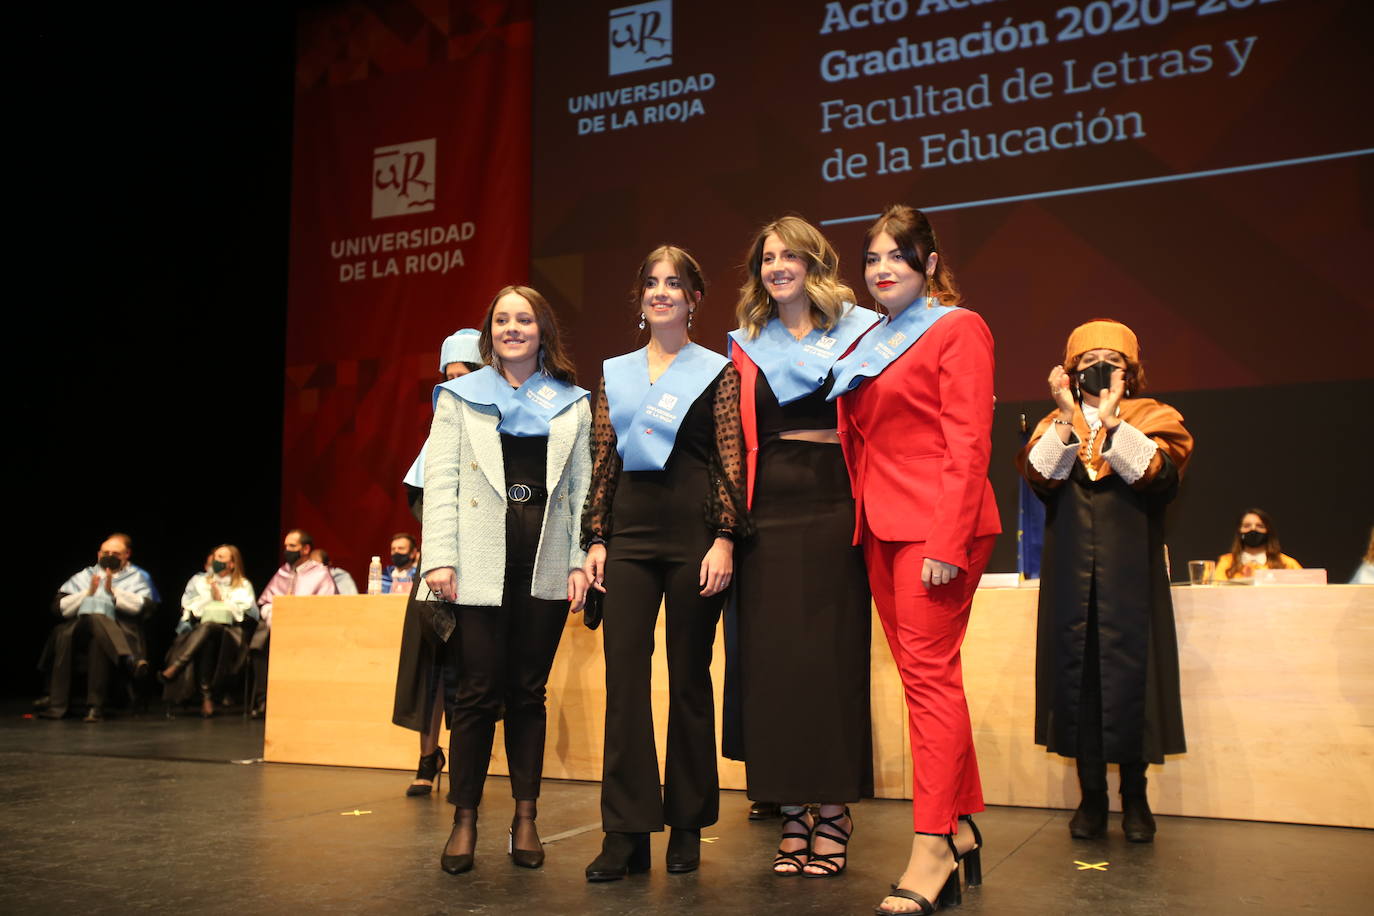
1104, 561
1104, 551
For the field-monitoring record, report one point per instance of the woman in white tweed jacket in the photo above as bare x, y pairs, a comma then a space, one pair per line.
506, 472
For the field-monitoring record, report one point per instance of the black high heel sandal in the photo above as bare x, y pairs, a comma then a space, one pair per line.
793, 858
456, 865
525, 858
973, 859
949, 895
432, 768
826, 860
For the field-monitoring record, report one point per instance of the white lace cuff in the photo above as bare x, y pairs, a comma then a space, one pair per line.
1131, 452
1053, 459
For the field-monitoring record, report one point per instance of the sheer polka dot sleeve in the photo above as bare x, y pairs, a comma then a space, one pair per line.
726, 505
596, 514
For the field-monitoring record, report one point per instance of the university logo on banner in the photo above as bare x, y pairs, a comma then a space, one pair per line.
403, 178
641, 36
668, 401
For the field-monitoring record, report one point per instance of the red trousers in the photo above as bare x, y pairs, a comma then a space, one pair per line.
925, 629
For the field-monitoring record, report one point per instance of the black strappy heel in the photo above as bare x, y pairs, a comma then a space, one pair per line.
950, 894
432, 768
826, 860
793, 858
973, 859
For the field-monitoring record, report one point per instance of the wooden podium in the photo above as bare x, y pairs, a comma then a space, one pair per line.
1278, 701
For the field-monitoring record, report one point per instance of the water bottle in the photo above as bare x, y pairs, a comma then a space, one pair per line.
374, 577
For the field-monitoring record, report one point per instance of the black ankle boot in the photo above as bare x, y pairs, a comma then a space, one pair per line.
684, 851
456, 865
621, 854
1090, 820
1136, 820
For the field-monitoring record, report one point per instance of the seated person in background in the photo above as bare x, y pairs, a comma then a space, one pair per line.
300, 574
458, 356
1255, 546
399, 577
209, 647
100, 607
343, 581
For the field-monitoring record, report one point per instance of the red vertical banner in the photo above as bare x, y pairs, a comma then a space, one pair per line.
410, 208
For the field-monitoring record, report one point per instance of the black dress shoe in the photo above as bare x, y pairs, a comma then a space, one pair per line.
525, 858
51, 713
1136, 820
456, 865
621, 854
684, 851
763, 811
1090, 820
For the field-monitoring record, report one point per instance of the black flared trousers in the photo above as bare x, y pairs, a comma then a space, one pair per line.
631, 801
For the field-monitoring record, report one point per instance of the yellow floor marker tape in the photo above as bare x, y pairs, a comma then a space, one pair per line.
1095, 866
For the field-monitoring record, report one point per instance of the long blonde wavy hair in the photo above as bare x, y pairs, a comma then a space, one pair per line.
826, 292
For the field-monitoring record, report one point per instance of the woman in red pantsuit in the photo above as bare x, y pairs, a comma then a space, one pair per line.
915, 423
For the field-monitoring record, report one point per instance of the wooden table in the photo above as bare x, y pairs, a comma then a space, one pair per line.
1278, 701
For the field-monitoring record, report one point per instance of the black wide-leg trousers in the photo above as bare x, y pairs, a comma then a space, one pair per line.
503, 656
631, 801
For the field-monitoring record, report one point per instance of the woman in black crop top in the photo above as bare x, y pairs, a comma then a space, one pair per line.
801, 663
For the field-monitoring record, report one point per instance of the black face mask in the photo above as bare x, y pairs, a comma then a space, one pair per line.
399, 560
1096, 377
109, 561
291, 556
218, 566
1254, 538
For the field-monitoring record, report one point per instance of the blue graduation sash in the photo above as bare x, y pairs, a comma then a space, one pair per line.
525, 411
795, 368
647, 417
131, 578
415, 477
883, 345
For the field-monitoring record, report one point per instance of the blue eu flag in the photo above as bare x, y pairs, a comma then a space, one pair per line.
1030, 522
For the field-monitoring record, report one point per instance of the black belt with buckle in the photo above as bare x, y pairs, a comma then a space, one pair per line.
526, 493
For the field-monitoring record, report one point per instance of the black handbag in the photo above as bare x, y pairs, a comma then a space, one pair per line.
591, 610
436, 617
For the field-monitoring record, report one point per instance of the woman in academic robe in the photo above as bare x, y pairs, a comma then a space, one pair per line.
421, 677
1107, 463
665, 509
209, 647
506, 472
915, 411
802, 599
1254, 546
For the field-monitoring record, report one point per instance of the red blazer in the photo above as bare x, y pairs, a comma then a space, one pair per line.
917, 440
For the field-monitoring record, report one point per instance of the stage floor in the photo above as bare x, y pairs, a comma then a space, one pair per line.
150, 814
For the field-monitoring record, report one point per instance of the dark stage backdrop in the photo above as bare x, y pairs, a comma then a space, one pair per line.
1201, 171
410, 208
146, 354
